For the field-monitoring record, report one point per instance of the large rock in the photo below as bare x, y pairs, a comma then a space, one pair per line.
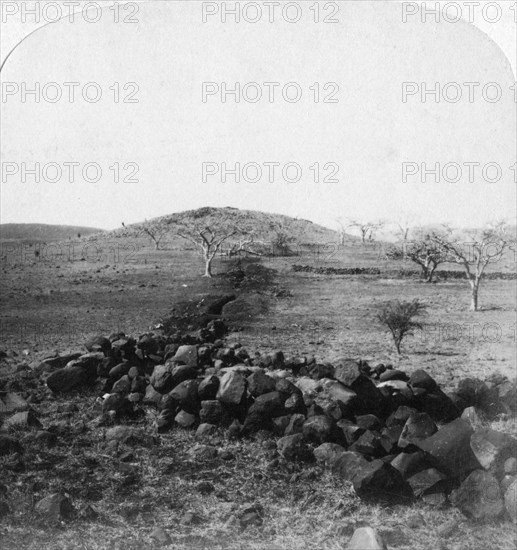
263, 410
295, 425
437, 405
161, 379
427, 481
68, 379
507, 393
232, 388
418, 427
366, 538
492, 448
369, 398
421, 379
479, 496
208, 387
409, 464
187, 355
379, 481
347, 464
295, 404
450, 448
400, 416
259, 383
328, 453
293, 448
185, 393
346, 397
318, 429
268, 405
211, 412
369, 444
475, 417
98, 343
350, 431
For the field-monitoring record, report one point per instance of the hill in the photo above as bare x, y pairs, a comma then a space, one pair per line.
261, 224
40, 232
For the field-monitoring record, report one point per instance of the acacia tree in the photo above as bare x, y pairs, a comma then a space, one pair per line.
483, 247
425, 252
244, 245
209, 238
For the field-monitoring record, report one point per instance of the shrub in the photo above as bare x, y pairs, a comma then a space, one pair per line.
399, 318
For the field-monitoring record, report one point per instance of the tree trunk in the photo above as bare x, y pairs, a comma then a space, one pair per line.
208, 268
474, 296
430, 273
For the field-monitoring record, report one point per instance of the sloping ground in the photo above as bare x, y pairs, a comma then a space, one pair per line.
39, 232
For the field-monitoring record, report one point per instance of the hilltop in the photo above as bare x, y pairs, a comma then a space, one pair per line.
262, 224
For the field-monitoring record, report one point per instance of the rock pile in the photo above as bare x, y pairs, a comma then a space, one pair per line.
394, 436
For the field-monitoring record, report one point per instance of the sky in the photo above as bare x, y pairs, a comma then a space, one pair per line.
152, 144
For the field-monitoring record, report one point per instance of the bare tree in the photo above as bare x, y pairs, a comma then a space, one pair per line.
367, 230
405, 224
343, 226
209, 239
483, 247
155, 231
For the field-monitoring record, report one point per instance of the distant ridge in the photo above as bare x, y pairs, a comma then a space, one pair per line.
40, 232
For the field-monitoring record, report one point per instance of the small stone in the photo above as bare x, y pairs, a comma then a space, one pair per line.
55, 508
205, 430
191, 518
510, 466
4, 509
203, 452
205, 487
185, 419
447, 529
415, 521
9, 445
366, 538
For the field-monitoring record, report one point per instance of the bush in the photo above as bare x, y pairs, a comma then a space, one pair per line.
398, 317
